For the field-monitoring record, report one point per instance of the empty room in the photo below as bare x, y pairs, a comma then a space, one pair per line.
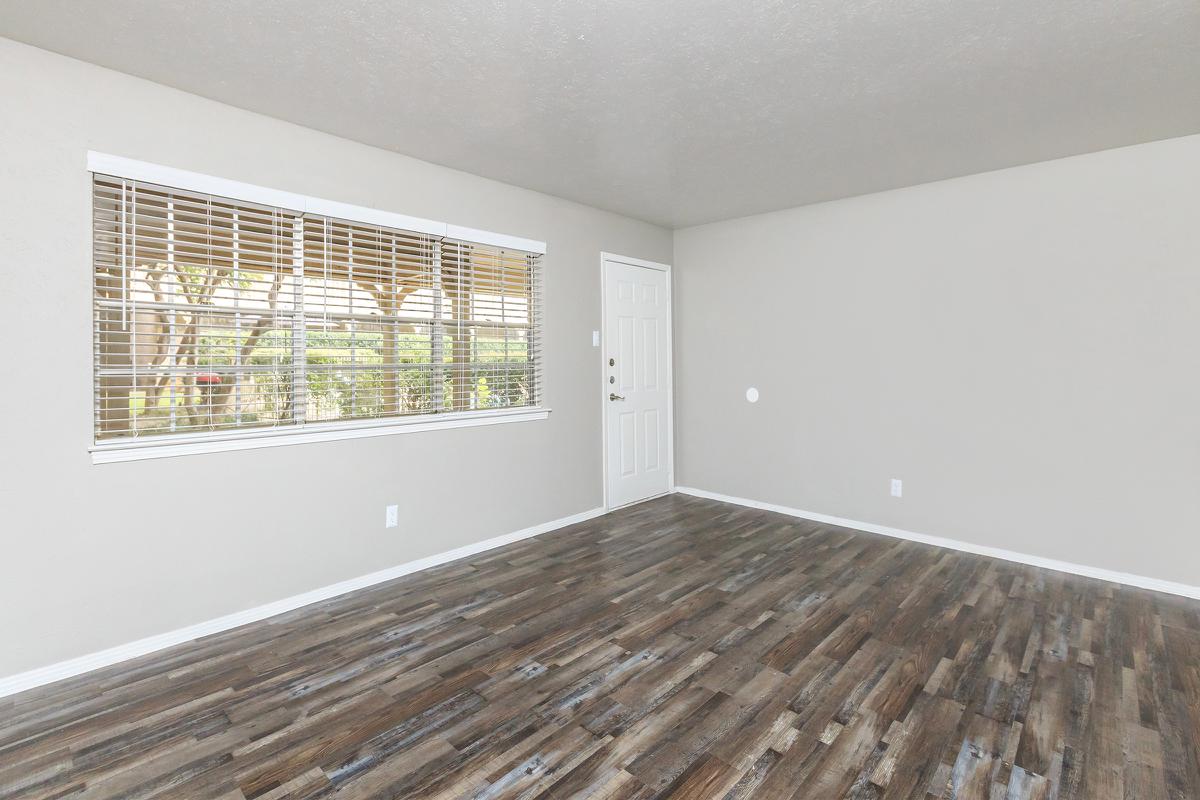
623, 400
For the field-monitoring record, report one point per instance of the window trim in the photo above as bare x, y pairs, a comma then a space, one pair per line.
131, 169
193, 443
165, 446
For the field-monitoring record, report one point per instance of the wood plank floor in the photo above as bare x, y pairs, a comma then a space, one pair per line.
681, 648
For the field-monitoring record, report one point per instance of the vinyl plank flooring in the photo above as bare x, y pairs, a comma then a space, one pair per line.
680, 648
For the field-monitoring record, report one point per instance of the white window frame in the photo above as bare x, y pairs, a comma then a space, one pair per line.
222, 441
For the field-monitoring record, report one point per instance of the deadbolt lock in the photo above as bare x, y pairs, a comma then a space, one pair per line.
612, 362
612, 379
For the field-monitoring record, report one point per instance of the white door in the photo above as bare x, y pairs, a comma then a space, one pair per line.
637, 375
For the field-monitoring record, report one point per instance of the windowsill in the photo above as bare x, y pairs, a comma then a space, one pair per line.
189, 444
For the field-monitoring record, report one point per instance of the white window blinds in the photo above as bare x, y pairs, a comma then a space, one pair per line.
220, 316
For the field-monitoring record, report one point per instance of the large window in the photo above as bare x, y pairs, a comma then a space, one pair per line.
218, 318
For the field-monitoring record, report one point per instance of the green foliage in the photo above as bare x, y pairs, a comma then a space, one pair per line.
346, 375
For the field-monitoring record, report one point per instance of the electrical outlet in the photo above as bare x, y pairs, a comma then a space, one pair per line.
897, 487
393, 517
595, 338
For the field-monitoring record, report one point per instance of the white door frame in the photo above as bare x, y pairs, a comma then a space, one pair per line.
604, 389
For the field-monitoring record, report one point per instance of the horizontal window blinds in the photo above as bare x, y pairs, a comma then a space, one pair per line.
214, 315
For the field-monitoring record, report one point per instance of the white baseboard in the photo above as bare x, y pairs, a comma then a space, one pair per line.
1141, 581
114, 655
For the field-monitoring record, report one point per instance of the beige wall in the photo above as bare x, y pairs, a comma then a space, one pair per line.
95, 556
1022, 348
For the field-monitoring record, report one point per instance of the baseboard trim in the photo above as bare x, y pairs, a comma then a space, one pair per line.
114, 655
1140, 581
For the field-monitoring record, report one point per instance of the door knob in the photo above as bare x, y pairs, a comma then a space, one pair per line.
613, 396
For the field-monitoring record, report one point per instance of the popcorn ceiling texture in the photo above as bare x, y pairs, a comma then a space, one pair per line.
674, 112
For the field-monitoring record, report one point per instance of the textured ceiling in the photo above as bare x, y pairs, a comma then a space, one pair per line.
673, 111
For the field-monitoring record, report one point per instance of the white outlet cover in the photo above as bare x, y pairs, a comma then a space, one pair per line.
897, 487
595, 338
752, 395
392, 517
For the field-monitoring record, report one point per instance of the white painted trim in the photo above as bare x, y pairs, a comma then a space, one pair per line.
190, 444
606, 257
371, 216
132, 169
1140, 581
635, 262
114, 655
496, 239
120, 167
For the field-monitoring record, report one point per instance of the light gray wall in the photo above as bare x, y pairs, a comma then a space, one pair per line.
1020, 347
95, 556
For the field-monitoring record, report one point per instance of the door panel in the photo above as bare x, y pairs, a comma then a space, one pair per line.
651, 427
636, 336
626, 363
628, 425
650, 353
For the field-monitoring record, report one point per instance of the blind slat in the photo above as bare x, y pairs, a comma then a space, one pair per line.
212, 315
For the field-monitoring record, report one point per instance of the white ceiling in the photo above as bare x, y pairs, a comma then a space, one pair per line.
673, 111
